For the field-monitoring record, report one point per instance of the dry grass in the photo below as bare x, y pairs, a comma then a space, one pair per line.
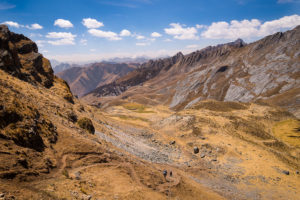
135, 107
288, 132
126, 117
220, 106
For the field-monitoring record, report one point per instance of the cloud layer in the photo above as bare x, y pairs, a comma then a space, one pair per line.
181, 32
61, 38
249, 28
104, 34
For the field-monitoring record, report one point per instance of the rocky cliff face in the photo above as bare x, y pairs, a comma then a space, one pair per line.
19, 57
267, 69
86, 78
27, 87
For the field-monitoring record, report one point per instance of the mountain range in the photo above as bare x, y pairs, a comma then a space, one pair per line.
88, 77
266, 70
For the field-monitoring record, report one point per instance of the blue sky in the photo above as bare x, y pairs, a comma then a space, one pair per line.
91, 30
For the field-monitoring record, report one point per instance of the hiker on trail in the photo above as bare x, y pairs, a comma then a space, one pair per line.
171, 173
165, 172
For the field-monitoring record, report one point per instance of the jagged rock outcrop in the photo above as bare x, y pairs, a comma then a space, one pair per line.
145, 72
19, 57
267, 69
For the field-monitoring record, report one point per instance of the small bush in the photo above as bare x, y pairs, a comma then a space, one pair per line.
87, 124
66, 173
72, 116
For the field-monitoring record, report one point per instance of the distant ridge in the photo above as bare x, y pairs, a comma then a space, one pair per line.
83, 79
268, 69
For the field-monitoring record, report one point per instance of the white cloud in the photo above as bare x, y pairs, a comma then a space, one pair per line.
142, 44
60, 35
181, 32
62, 38
249, 29
34, 26
155, 34
287, 22
12, 24
192, 46
63, 41
167, 40
140, 37
104, 34
125, 33
83, 42
92, 50
199, 26
62, 23
91, 23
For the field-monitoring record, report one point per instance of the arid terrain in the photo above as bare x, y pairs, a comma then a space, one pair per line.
56, 146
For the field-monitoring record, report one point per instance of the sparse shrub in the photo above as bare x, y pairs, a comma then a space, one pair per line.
69, 98
196, 131
87, 124
72, 116
83, 190
66, 173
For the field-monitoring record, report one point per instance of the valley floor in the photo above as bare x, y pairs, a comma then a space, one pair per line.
239, 156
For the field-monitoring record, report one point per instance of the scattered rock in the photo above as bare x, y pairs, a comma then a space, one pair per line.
86, 197
86, 124
77, 175
196, 150
214, 160
2, 195
286, 172
297, 172
202, 155
172, 142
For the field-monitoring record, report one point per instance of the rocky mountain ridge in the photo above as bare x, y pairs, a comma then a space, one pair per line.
266, 69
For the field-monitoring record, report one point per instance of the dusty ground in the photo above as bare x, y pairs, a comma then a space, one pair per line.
246, 150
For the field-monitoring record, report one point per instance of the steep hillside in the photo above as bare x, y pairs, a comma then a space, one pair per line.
86, 78
267, 69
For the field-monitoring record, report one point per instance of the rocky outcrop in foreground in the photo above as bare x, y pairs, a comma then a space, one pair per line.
19, 57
